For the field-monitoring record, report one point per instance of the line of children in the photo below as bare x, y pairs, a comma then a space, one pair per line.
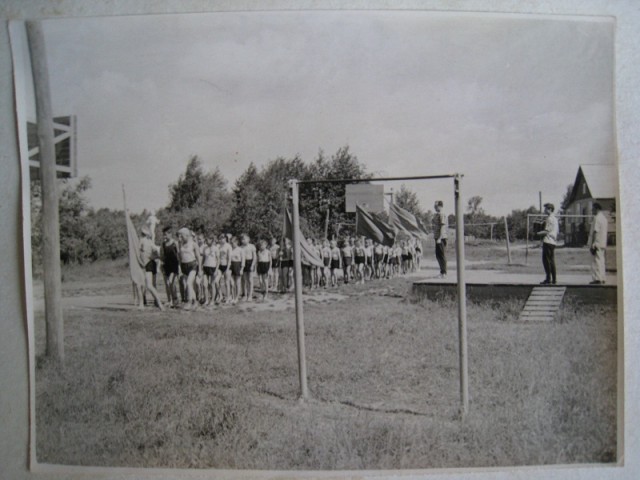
205, 270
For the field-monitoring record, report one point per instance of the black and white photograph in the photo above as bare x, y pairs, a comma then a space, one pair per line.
321, 240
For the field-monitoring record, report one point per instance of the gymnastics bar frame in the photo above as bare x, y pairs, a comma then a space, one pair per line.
460, 267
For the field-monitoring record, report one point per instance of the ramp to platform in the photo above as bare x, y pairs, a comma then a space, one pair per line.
543, 304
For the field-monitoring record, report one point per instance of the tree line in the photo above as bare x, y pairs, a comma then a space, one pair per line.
203, 201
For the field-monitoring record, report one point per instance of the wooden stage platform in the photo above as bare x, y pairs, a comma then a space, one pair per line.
497, 284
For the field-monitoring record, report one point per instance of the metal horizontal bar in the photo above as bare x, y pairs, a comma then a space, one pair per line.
381, 179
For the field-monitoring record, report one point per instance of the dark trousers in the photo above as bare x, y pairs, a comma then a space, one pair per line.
549, 261
441, 255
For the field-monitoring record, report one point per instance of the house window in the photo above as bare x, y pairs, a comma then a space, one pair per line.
584, 188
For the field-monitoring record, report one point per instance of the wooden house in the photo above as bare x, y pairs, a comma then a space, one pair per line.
594, 183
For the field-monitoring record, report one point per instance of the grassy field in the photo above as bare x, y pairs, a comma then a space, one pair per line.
219, 389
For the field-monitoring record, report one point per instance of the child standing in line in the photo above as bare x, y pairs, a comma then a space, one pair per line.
274, 273
225, 271
336, 262
249, 251
326, 260
211, 272
347, 259
237, 267
190, 264
170, 265
149, 252
377, 259
264, 267
368, 258
359, 256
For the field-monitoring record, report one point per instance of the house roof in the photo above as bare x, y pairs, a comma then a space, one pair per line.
601, 180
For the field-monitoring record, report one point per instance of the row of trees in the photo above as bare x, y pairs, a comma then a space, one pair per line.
203, 201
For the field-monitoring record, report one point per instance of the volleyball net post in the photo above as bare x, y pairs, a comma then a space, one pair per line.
460, 268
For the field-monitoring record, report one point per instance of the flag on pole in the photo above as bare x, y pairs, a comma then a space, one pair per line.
422, 226
404, 221
374, 228
136, 268
309, 254
384, 226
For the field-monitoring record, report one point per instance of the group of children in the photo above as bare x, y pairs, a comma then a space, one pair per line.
209, 270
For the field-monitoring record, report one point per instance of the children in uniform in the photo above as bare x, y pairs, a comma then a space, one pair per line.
224, 255
237, 267
264, 267
170, 265
250, 260
211, 271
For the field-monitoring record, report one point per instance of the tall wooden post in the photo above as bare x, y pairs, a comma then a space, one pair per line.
297, 268
50, 215
462, 299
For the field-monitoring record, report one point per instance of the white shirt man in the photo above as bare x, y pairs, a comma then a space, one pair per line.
598, 244
549, 237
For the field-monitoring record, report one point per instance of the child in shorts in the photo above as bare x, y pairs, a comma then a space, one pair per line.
237, 268
250, 260
224, 256
274, 273
211, 272
347, 259
336, 262
264, 267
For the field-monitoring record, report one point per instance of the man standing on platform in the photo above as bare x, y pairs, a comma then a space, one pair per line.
598, 244
440, 228
550, 235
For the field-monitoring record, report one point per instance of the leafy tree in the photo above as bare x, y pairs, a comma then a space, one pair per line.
106, 234
517, 221
320, 197
408, 200
473, 206
74, 208
186, 191
198, 200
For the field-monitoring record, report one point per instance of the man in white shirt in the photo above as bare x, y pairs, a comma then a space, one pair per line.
598, 244
550, 235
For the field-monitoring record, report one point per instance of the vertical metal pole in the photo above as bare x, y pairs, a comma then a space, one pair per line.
526, 251
48, 179
506, 231
540, 200
462, 299
297, 268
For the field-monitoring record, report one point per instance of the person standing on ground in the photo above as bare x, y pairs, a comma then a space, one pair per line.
598, 244
549, 237
440, 231
149, 252
170, 266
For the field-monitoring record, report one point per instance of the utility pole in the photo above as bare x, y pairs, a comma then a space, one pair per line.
48, 181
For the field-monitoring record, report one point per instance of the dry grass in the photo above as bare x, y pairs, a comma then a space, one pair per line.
220, 389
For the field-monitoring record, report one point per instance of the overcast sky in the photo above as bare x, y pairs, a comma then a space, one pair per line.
516, 104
